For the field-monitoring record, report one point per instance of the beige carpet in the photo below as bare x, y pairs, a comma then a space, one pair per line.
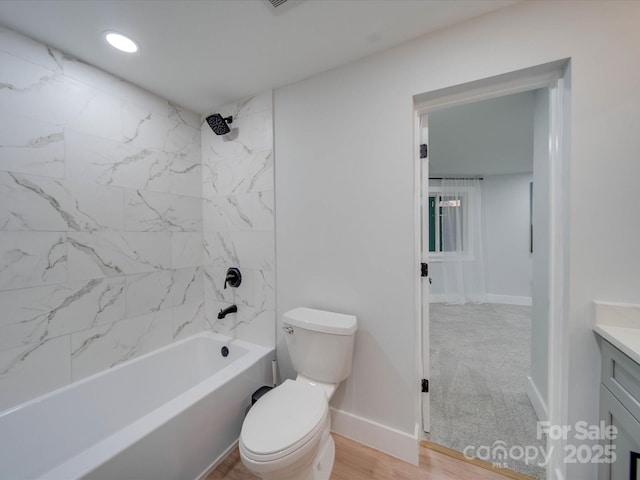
480, 356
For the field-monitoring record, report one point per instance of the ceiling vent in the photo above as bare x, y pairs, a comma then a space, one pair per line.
279, 6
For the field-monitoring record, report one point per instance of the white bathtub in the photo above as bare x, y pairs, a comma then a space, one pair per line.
171, 414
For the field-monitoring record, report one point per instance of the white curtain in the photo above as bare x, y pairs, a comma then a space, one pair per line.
462, 246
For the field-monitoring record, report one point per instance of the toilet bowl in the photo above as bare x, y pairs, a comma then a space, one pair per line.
283, 432
286, 434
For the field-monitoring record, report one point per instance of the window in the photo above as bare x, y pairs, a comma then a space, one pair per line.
448, 221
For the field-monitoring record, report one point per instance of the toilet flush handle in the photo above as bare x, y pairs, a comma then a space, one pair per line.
288, 329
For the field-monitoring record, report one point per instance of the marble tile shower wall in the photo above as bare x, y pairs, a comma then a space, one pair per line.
100, 220
238, 220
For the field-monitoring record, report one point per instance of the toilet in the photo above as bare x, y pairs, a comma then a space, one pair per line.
285, 435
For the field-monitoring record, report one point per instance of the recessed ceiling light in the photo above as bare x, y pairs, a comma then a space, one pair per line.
119, 41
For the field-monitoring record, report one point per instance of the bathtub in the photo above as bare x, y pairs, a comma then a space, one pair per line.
171, 414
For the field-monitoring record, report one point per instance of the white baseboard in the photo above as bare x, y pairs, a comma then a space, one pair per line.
491, 298
539, 404
436, 298
388, 440
508, 299
217, 461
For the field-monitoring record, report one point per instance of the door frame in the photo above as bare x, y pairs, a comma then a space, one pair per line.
556, 77
424, 361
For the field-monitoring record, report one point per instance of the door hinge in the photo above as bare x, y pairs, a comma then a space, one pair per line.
423, 150
425, 385
424, 269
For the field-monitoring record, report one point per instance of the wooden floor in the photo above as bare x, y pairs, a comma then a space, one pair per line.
355, 461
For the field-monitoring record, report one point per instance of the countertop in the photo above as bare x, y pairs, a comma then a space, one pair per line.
619, 324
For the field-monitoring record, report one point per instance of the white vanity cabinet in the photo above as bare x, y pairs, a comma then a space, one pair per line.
620, 407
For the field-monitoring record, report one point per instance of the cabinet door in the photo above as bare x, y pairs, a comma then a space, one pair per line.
621, 376
626, 443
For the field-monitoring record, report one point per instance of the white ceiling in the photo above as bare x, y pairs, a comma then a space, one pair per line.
204, 53
490, 137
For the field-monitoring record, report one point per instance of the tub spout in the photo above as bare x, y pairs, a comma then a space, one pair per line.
226, 311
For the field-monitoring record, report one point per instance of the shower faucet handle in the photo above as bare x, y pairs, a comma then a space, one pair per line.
233, 278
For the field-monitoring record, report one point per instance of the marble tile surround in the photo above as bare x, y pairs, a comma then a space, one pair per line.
238, 220
101, 227
119, 215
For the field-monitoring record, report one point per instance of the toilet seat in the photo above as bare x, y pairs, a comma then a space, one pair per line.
283, 421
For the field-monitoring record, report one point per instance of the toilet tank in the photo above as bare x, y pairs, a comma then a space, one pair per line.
320, 343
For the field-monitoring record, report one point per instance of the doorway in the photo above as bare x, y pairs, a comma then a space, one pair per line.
540, 388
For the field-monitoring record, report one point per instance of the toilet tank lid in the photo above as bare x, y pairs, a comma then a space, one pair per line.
321, 321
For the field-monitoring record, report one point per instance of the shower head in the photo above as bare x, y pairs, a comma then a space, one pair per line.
219, 124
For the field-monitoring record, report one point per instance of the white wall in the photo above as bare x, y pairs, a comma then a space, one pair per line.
492, 139
505, 223
344, 187
506, 208
100, 220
